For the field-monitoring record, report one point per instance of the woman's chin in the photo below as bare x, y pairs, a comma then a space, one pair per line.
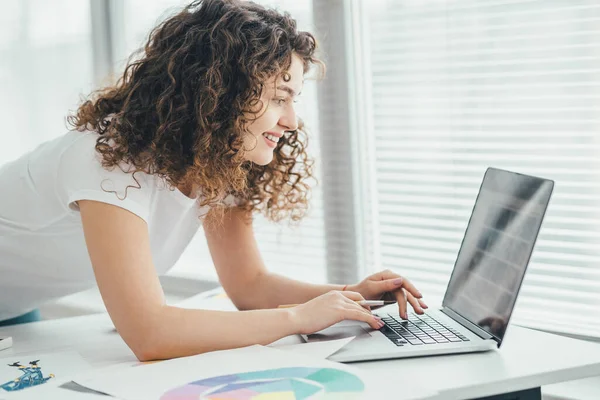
261, 158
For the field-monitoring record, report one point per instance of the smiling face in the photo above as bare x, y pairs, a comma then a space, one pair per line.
277, 114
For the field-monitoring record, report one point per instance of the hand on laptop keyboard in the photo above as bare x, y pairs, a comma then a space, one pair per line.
329, 309
388, 285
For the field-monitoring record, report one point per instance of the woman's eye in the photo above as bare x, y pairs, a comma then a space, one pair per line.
280, 101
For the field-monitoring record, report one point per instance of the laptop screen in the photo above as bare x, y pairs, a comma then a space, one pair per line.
496, 248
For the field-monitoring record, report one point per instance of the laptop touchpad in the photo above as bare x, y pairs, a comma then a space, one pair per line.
337, 332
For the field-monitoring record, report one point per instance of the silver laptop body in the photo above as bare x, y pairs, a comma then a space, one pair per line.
483, 287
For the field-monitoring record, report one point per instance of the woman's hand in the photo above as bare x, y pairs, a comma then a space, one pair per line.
331, 308
387, 285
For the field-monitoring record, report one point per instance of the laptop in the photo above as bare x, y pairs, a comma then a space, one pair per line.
482, 290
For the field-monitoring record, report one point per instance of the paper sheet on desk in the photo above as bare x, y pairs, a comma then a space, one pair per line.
26, 371
47, 392
67, 389
244, 372
320, 350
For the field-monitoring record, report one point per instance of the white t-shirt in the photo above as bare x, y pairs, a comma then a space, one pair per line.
43, 254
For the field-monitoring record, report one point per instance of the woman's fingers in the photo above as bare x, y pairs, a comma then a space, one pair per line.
401, 298
393, 277
373, 320
408, 286
414, 303
390, 285
382, 275
360, 313
403, 295
354, 304
355, 296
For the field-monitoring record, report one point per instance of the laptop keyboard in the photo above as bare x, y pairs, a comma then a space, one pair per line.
418, 330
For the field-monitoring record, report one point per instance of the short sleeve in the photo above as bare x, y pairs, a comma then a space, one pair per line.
81, 176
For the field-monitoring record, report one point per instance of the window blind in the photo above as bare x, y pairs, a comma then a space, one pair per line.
458, 86
296, 251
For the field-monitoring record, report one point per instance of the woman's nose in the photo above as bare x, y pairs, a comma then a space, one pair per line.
289, 120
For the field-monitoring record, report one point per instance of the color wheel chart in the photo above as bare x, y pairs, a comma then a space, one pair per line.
295, 383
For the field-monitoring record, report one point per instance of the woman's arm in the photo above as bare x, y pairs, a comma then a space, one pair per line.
242, 271
119, 248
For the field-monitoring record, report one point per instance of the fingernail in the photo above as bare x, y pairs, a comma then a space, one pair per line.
398, 281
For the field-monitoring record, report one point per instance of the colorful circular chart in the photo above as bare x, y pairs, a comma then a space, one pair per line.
296, 383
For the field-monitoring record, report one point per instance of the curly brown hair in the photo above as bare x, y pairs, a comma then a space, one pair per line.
181, 110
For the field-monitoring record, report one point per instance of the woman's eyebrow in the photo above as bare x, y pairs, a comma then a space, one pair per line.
289, 90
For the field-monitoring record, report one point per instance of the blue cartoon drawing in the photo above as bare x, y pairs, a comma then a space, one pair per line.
31, 376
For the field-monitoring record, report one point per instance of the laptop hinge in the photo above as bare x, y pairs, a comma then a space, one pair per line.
469, 325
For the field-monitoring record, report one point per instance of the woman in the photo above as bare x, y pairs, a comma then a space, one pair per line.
200, 130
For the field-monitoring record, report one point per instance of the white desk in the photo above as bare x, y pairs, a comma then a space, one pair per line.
528, 359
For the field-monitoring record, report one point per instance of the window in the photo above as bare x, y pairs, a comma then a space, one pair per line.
45, 65
458, 86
